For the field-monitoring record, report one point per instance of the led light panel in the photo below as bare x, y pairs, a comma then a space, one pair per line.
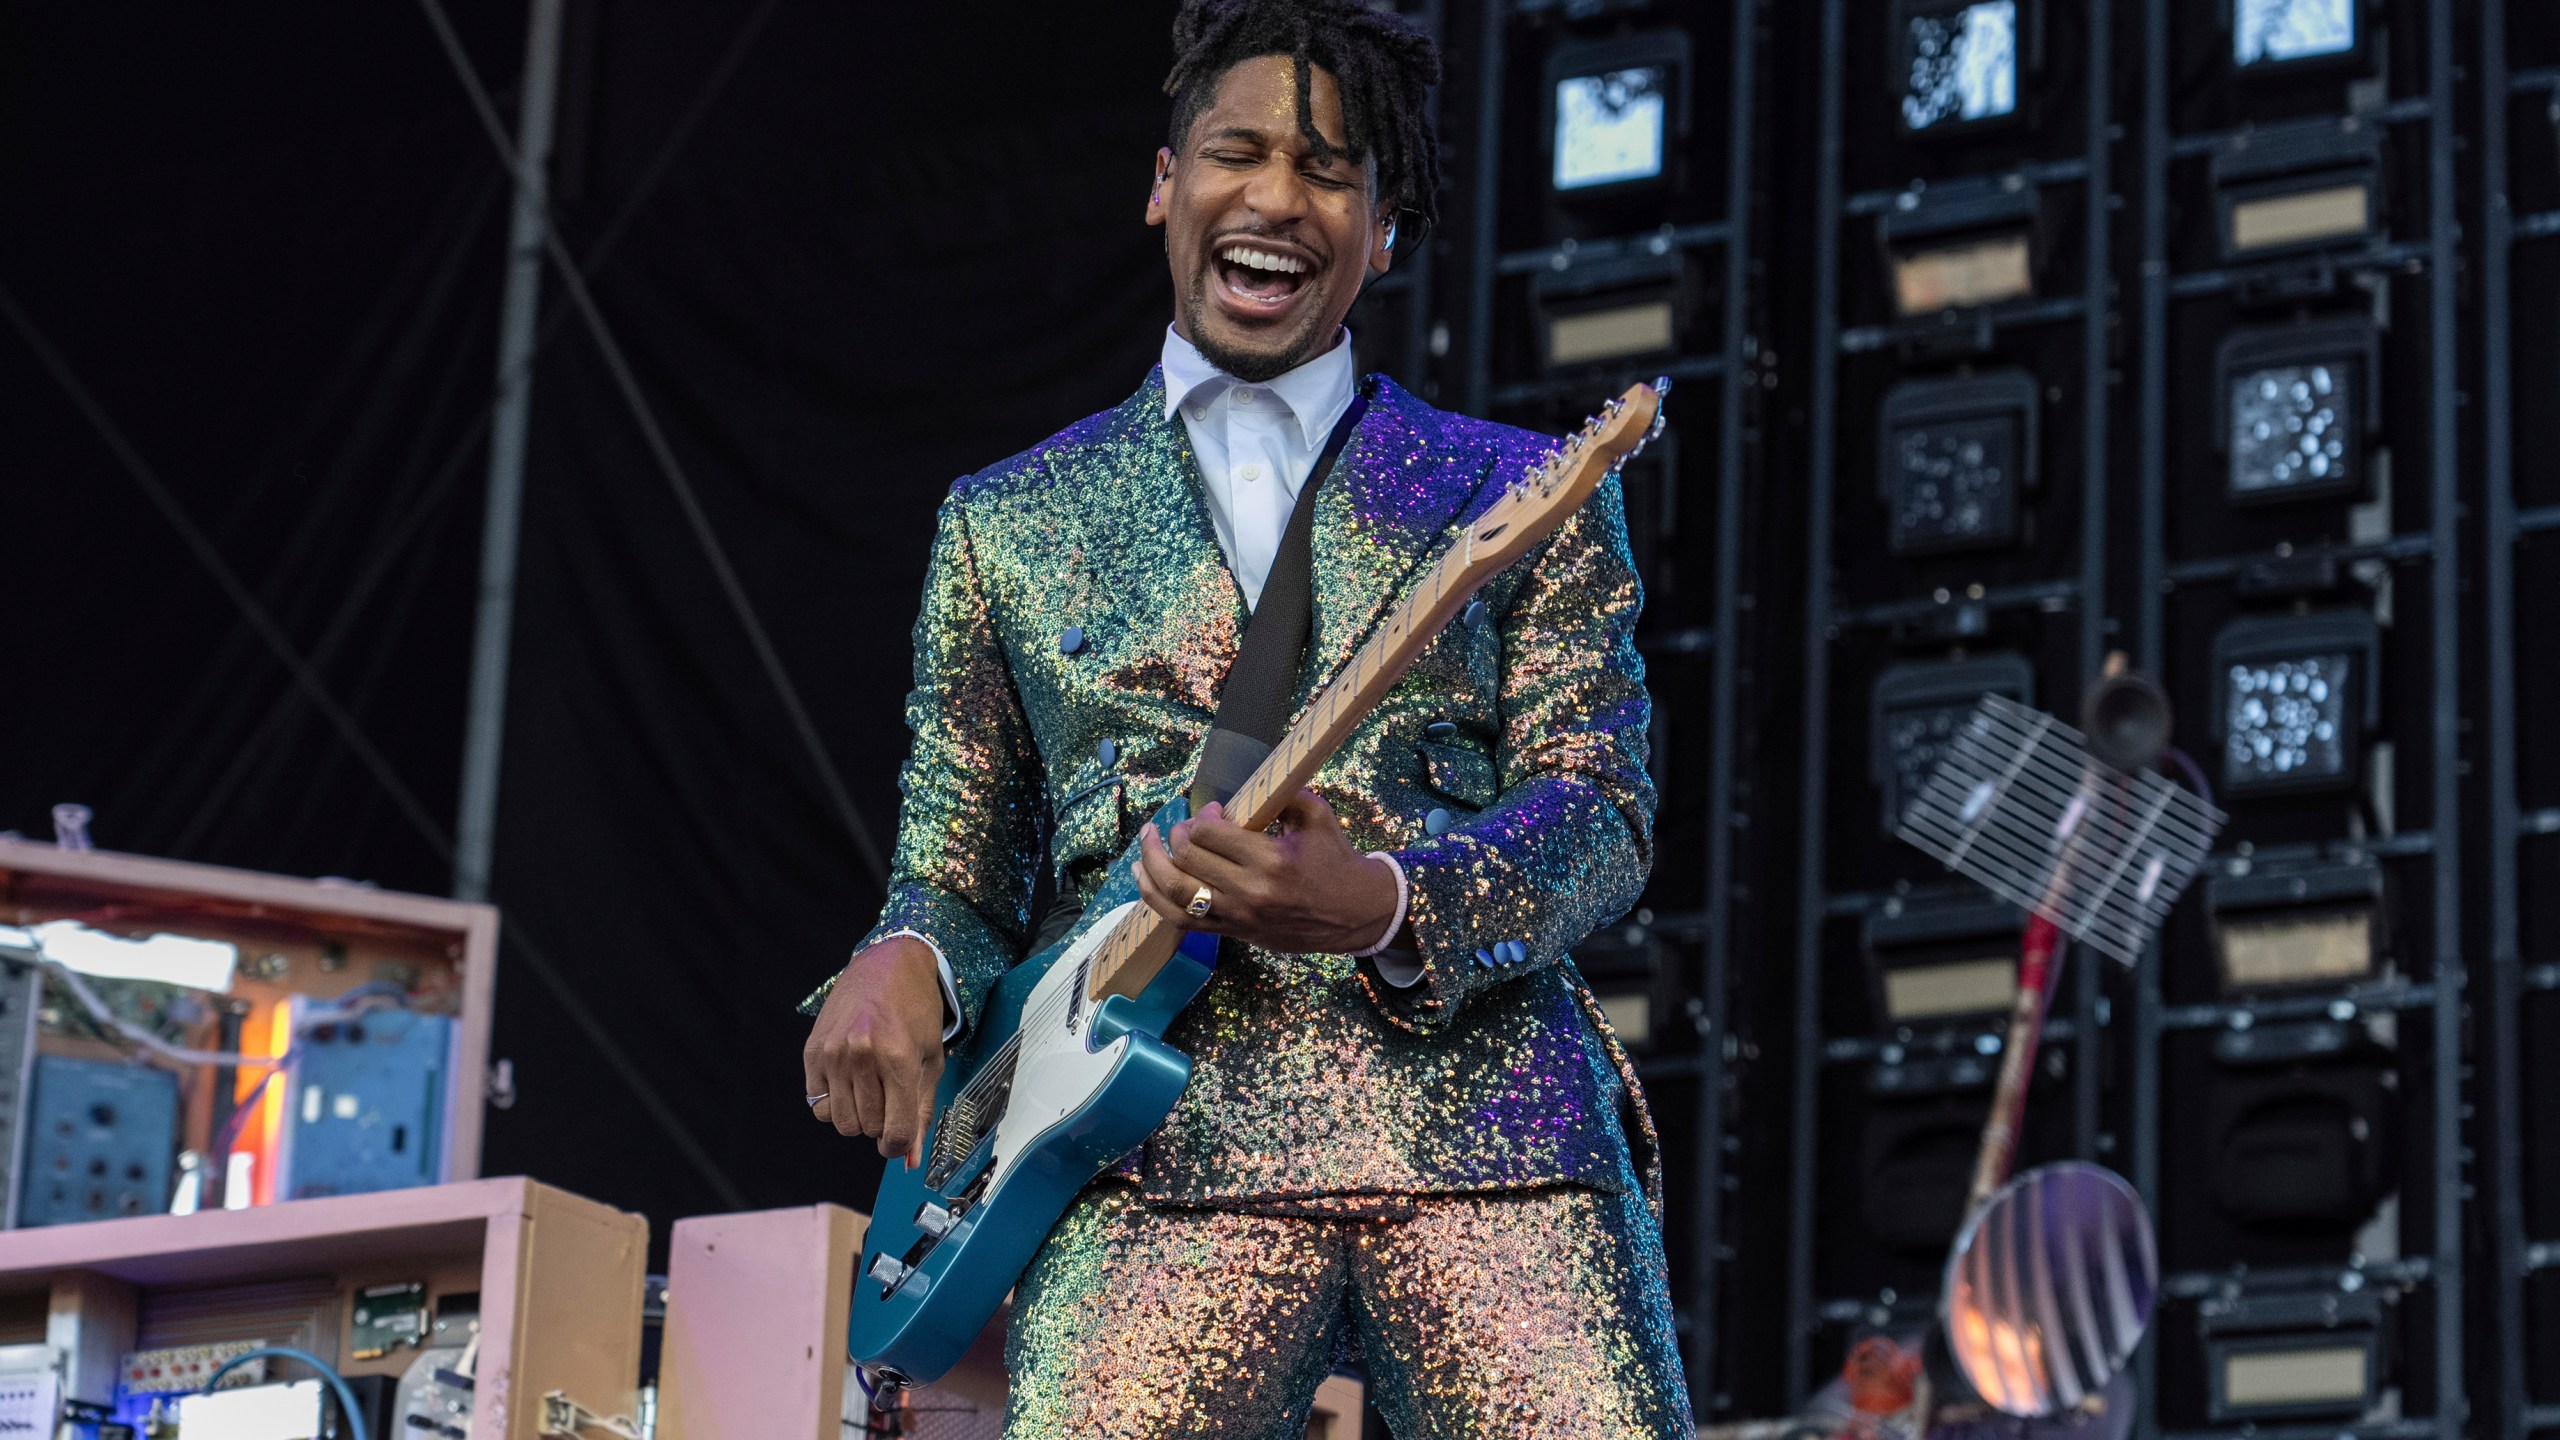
1922, 993
1611, 128
2314, 1375
2287, 720
2294, 430
1956, 456
1960, 65
1918, 737
1647, 327
1955, 277
2272, 32
2293, 409
2293, 698
2271, 951
1631, 1016
1917, 710
1956, 484
2289, 219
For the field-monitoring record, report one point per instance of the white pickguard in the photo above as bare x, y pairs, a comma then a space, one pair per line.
1054, 1074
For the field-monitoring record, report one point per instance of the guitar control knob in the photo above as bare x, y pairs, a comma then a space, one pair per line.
889, 1270
933, 1220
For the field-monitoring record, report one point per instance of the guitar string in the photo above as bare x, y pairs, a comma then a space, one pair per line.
997, 1071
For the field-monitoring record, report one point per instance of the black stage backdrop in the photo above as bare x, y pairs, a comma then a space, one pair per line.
851, 253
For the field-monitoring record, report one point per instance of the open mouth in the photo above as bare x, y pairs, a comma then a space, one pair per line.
1261, 280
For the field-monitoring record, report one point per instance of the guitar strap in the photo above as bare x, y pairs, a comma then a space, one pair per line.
1253, 706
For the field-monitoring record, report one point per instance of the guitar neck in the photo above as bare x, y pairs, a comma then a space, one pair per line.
1144, 940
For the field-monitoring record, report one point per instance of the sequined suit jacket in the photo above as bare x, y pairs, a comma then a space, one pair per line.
1078, 619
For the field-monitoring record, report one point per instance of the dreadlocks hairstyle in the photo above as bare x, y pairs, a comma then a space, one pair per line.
1384, 67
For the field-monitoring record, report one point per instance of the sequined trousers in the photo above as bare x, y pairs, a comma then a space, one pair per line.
1539, 1313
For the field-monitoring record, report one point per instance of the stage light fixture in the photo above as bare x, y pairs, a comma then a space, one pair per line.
1960, 245
2307, 186
1627, 308
2305, 1118
2283, 34
2294, 408
1938, 960
2292, 1355
1955, 460
1916, 709
1623, 967
2293, 698
2290, 925
1959, 63
1616, 112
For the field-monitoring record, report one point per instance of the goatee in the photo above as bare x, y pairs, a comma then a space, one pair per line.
1252, 367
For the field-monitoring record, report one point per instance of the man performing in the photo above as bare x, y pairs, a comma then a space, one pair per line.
1402, 1132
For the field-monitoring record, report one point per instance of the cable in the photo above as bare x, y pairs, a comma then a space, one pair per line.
181, 1054
346, 1396
562, 1416
431, 496
619, 366
2194, 772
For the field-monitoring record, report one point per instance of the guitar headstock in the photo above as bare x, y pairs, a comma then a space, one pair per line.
1555, 487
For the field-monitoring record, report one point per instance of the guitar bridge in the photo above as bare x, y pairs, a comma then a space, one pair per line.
953, 1142
965, 1126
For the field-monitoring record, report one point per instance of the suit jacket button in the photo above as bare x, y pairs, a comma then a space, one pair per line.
1474, 613
1485, 958
1107, 752
1071, 640
1511, 952
1440, 729
1436, 824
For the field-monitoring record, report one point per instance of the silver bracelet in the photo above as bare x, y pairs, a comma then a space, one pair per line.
1404, 897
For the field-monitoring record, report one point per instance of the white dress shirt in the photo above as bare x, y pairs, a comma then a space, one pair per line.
1256, 443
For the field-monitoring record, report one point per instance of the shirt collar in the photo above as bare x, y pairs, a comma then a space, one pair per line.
1316, 393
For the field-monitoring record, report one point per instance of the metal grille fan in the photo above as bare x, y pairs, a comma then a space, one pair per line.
2019, 805
2051, 1288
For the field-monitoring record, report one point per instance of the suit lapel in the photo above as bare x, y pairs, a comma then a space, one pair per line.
1402, 480
1151, 547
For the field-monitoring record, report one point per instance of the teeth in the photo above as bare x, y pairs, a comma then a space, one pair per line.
1253, 259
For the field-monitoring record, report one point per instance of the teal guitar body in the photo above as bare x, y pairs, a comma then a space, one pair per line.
1047, 1090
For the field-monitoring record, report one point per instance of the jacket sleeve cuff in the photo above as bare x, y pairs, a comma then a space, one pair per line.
1454, 923
942, 971
969, 952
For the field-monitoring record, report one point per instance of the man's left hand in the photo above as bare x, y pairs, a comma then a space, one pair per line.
1299, 891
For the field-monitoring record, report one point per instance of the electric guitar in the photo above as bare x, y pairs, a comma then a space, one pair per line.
1066, 1070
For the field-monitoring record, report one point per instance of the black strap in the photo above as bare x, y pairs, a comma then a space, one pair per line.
1253, 706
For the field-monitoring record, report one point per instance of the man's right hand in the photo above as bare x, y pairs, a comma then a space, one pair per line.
876, 1051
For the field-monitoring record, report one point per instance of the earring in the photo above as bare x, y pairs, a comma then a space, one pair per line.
1391, 234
